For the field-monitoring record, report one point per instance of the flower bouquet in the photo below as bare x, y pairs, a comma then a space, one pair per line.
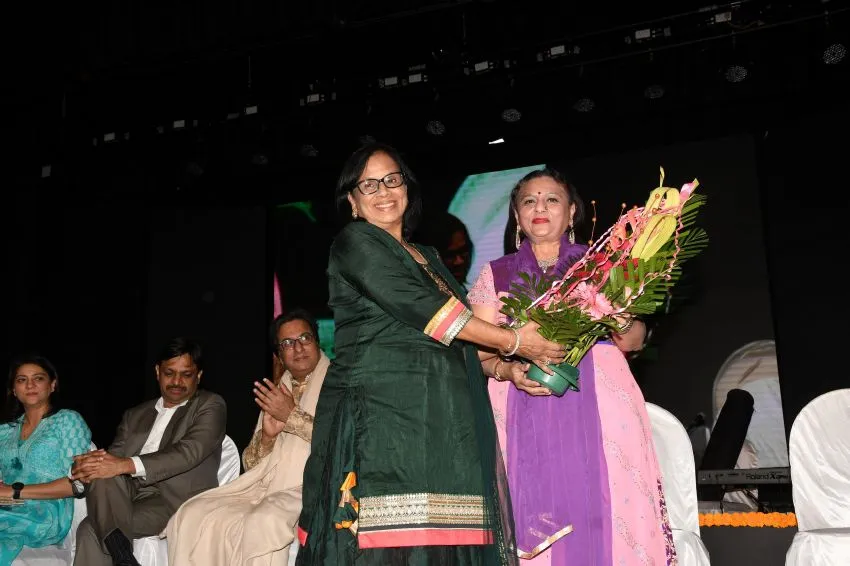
630, 271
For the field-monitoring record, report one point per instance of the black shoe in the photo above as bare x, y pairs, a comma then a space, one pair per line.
120, 548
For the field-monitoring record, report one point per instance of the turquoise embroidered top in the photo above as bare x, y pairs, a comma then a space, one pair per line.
43, 457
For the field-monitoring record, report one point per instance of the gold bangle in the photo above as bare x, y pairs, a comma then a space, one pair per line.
496, 375
515, 345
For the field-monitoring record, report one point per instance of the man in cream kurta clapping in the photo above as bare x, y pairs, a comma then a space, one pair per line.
251, 521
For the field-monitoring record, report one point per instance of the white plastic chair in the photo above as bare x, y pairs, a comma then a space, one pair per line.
678, 477
820, 481
61, 554
153, 551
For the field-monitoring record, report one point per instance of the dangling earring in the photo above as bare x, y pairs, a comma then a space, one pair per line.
518, 241
572, 236
354, 214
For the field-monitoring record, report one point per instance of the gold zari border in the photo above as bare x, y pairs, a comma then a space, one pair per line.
421, 509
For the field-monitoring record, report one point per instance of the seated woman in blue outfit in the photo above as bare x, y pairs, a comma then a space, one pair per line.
37, 445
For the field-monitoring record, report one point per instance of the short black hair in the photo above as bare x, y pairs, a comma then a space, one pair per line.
294, 314
13, 408
353, 168
439, 229
179, 346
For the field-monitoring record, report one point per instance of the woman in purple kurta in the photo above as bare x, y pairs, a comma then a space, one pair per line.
584, 479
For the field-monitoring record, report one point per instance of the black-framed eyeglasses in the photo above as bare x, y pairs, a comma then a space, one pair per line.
289, 343
390, 181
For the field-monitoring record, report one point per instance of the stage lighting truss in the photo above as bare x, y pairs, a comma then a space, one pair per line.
714, 18
644, 35
316, 95
313, 99
557, 51
415, 74
389, 82
415, 78
481, 67
111, 138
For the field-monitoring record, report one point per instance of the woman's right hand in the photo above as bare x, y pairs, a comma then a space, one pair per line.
532, 346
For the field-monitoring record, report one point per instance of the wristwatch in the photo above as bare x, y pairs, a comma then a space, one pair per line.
16, 490
78, 488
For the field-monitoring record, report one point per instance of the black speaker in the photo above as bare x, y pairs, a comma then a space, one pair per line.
727, 439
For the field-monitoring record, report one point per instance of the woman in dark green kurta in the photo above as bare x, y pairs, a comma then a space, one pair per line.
405, 465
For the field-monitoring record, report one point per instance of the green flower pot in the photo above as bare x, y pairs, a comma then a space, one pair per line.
564, 378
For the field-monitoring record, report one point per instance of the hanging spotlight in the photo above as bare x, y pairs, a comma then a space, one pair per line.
653, 92
584, 102
834, 49
308, 150
435, 128
653, 77
584, 105
736, 73
511, 115
507, 100
834, 53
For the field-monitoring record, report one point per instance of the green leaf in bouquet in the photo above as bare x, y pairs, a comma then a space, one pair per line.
615, 278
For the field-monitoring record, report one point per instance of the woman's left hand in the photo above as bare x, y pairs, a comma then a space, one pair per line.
517, 372
6, 490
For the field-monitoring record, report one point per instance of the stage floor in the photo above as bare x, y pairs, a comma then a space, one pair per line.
745, 546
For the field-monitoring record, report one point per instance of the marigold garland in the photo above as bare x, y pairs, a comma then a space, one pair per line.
752, 519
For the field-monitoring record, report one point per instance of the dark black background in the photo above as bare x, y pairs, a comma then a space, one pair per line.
125, 243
